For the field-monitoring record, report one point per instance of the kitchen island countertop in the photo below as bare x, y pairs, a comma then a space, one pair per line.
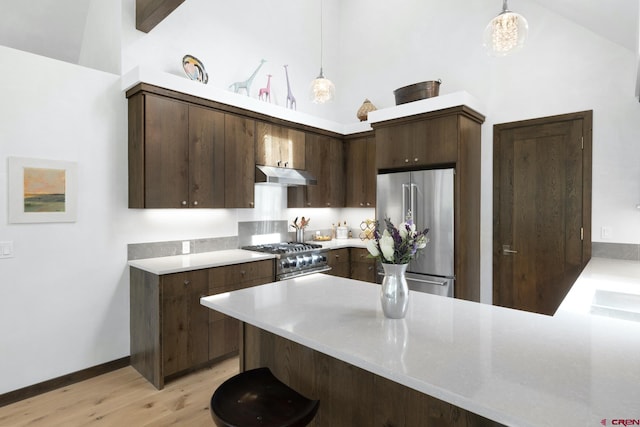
514, 367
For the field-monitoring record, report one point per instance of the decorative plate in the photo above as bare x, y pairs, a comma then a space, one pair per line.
194, 69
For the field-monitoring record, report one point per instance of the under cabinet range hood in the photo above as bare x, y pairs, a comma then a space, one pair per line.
284, 176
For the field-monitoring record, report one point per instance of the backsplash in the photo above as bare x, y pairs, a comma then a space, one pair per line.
626, 251
160, 249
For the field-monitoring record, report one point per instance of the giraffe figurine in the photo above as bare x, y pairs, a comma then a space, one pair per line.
266, 91
246, 85
291, 100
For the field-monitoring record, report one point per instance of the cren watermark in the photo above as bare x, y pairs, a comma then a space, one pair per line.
621, 422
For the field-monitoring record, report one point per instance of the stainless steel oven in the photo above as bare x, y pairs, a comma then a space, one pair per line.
295, 259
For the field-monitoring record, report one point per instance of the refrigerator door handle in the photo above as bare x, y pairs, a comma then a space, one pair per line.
406, 190
430, 282
414, 202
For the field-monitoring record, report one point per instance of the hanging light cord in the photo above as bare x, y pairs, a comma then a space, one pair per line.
321, 38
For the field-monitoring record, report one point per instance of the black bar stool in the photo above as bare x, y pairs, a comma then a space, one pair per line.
257, 398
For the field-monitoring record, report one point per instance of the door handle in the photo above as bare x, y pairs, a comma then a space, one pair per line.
506, 250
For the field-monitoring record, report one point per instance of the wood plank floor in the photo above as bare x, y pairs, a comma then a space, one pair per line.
123, 398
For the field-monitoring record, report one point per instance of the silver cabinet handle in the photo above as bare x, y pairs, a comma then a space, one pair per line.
506, 250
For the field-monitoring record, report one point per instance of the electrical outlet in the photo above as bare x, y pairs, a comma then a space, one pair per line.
6, 249
605, 232
186, 247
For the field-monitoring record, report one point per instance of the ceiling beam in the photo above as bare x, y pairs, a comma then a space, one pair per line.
150, 13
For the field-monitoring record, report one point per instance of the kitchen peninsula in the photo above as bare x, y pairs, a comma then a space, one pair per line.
456, 362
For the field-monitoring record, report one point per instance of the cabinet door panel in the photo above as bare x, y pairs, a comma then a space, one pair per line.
224, 337
239, 161
439, 144
292, 147
393, 145
166, 153
360, 173
206, 157
184, 321
279, 146
362, 267
325, 161
338, 260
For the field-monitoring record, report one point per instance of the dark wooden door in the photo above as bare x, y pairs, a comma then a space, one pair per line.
542, 210
206, 158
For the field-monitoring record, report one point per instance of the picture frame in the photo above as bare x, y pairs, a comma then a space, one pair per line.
42, 190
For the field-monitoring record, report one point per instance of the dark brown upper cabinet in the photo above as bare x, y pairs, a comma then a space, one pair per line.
239, 161
411, 144
279, 146
176, 154
325, 161
360, 172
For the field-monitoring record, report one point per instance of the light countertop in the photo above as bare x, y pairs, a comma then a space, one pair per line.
342, 243
179, 263
606, 287
514, 367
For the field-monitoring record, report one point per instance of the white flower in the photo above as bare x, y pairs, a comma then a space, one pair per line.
387, 246
372, 247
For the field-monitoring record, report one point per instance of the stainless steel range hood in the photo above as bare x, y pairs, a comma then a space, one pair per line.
284, 176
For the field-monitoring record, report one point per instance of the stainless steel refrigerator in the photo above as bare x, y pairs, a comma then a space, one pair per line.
426, 196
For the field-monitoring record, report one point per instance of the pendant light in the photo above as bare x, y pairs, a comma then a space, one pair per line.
322, 89
506, 32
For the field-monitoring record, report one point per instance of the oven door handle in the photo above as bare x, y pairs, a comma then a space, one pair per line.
301, 273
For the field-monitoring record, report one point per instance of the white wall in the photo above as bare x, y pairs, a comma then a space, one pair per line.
63, 297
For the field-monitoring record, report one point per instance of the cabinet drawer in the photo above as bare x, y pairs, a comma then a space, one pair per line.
181, 284
237, 276
337, 256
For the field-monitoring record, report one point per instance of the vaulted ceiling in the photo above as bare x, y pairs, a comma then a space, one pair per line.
55, 28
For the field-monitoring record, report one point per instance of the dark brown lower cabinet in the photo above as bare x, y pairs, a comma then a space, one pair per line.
184, 321
171, 333
352, 263
362, 267
338, 260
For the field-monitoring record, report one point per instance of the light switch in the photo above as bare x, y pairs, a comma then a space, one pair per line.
6, 249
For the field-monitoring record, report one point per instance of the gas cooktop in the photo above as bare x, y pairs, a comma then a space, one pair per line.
284, 248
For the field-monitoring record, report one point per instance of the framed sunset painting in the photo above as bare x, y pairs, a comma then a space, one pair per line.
42, 190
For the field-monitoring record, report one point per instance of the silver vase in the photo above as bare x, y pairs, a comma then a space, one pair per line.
394, 294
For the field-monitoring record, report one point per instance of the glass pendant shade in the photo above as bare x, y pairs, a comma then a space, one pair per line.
322, 89
505, 33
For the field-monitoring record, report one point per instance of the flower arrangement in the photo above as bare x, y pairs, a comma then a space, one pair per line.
397, 245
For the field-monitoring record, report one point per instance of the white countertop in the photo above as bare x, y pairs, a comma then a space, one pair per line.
179, 263
606, 287
514, 367
342, 243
